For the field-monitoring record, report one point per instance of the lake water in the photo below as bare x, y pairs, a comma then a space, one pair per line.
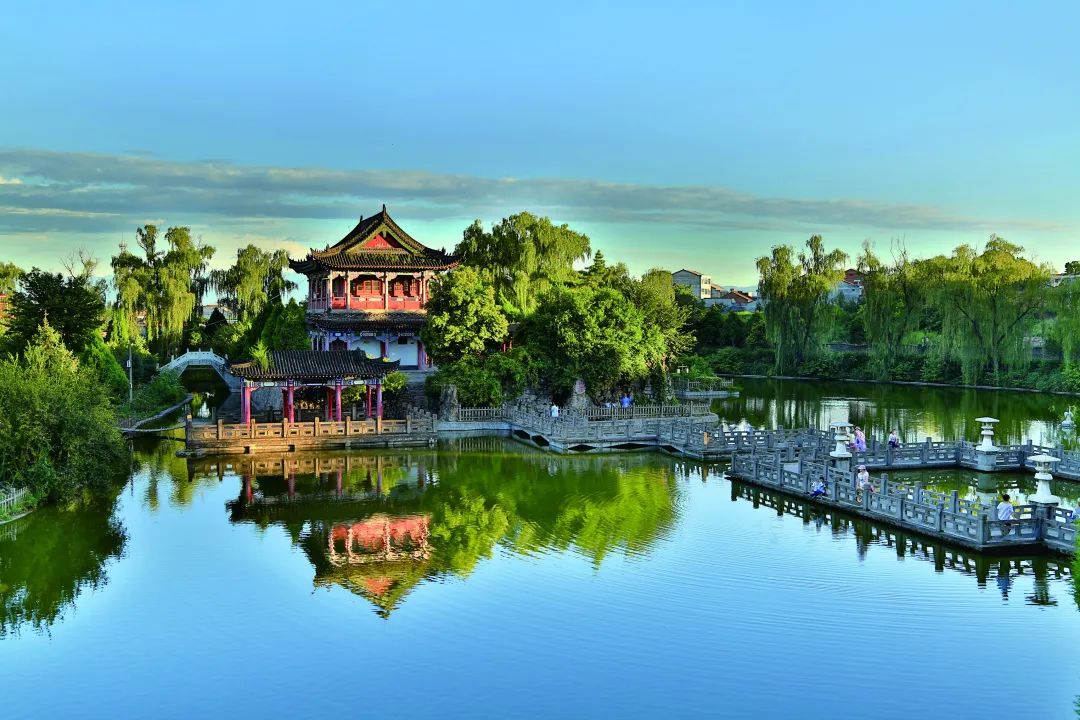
484, 579
916, 412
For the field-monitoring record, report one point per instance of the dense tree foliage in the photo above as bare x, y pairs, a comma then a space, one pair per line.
73, 304
257, 278
595, 334
463, 318
58, 432
9, 277
522, 257
987, 302
1064, 302
893, 298
166, 285
795, 290
486, 381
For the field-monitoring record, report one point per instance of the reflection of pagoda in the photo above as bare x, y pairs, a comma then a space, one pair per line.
380, 558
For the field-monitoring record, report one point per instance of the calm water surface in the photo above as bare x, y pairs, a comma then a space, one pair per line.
916, 412
487, 580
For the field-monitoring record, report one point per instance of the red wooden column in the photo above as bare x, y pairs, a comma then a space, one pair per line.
329, 404
245, 404
290, 403
419, 354
368, 405
337, 401
378, 400
246, 479
339, 483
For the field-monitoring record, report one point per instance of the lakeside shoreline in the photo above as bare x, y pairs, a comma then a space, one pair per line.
910, 383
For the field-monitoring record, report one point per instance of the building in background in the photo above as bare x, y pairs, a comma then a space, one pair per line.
850, 288
368, 291
700, 285
733, 300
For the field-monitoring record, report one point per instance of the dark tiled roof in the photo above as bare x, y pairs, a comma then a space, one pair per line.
314, 365
410, 255
389, 320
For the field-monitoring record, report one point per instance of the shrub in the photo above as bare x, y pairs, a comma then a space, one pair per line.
58, 432
163, 391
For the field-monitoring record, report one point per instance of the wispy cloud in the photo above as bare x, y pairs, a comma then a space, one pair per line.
45, 191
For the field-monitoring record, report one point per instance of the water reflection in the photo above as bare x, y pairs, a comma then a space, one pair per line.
379, 525
986, 487
987, 570
917, 412
50, 557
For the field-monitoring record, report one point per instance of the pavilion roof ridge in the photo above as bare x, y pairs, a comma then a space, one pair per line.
314, 365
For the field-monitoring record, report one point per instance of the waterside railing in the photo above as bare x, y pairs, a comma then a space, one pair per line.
910, 506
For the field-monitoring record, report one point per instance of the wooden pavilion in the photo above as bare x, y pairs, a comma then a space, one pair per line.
288, 370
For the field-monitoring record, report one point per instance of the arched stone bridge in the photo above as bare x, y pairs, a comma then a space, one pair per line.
203, 358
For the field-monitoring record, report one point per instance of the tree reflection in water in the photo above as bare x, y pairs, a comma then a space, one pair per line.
917, 412
334, 506
51, 556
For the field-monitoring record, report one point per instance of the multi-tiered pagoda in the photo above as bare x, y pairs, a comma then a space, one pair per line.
368, 291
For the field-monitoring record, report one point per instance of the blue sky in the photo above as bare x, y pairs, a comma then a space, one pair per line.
693, 134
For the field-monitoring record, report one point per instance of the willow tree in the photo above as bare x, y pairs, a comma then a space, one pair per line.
522, 257
988, 303
166, 285
257, 278
1064, 302
795, 292
893, 299
9, 277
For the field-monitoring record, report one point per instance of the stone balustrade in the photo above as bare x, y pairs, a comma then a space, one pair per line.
911, 507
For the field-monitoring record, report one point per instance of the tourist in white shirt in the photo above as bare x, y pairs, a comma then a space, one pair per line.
1005, 514
554, 410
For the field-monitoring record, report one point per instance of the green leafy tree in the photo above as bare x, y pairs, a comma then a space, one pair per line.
894, 295
98, 358
74, 306
291, 331
256, 278
1064, 302
167, 285
795, 291
595, 334
9, 277
666, 328
988, 302
1072, 267
463, 318
58, 432
522, 257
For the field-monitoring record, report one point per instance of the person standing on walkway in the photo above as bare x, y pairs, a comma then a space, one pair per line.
554, 411
860, 440
862, 481
1005, 514
894, 439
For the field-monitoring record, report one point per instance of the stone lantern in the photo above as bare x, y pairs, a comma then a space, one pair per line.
1068, 423
842, 435
986, 451
1042, 495
987, 444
